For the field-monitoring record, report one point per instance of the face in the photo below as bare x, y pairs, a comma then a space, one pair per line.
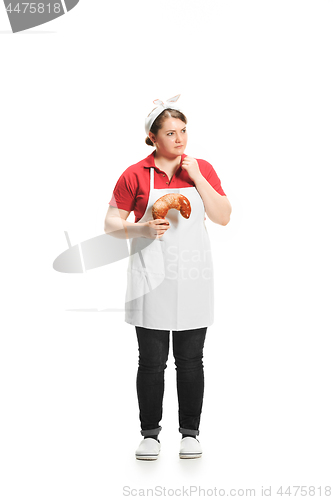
171, 139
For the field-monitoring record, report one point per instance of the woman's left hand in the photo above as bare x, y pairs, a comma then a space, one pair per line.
192, 168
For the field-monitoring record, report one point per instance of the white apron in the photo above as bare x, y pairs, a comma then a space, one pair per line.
170, 283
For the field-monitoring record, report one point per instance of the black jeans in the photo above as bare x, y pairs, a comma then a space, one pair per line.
153, 354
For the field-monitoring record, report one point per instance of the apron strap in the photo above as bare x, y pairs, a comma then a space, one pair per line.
151, 179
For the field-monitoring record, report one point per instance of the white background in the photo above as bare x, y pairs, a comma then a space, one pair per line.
256, 80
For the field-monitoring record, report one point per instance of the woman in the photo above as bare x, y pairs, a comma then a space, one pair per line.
170, 272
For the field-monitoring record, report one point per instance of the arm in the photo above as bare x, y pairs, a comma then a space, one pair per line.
218, 207
116, 225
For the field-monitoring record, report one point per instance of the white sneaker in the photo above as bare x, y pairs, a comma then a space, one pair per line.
148, 449
190, 448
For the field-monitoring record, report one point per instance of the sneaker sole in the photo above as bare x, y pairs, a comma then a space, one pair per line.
146, 457
190, 455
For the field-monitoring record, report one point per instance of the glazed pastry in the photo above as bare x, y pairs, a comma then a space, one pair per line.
172, 200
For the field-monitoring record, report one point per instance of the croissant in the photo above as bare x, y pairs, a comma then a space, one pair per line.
171, 200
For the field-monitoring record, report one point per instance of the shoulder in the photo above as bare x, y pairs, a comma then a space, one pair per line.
205, 166
204, 163
135, 171
139, 166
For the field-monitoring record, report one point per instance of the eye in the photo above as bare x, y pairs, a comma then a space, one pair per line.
184, 130
170, 133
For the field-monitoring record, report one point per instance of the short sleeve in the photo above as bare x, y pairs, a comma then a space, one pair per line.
211, 176
124, 192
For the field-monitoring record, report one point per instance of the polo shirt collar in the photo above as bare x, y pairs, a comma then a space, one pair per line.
150, 161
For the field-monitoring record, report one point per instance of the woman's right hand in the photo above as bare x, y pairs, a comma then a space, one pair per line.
155, 228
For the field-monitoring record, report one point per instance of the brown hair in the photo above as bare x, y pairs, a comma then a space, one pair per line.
157, 124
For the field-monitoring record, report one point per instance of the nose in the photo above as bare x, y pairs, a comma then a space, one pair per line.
178, 137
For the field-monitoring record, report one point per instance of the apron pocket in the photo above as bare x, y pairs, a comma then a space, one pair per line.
154, 259
146, 269
149, 258
137, 285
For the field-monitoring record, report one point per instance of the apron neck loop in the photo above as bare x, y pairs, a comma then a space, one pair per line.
151, 178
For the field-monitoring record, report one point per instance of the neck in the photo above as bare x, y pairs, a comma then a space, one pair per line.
166, 163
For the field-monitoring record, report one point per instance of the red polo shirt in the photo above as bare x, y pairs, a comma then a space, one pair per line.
131, 191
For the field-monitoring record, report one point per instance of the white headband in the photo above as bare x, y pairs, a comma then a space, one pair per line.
160, 108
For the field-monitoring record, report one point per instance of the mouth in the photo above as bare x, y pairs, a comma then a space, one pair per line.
179, 146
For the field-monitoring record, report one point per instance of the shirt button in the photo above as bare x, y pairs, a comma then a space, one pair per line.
166, 183
163, 175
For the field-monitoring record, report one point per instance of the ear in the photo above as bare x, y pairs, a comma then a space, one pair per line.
152, 137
